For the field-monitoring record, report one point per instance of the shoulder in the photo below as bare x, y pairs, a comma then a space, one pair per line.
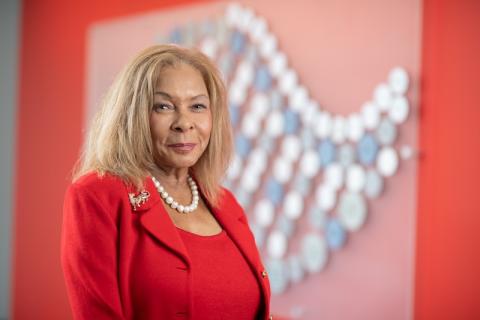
94, 182
226, 197
105, 189
227, 201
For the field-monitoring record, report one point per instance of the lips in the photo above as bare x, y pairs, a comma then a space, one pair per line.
182, 147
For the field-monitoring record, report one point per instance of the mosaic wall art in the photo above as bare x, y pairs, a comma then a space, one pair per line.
296, 163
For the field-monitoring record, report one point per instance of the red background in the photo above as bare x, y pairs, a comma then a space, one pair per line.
448, 224
51, 101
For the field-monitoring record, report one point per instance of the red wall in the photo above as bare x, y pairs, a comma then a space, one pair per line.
448, 259
51, 101
49, 135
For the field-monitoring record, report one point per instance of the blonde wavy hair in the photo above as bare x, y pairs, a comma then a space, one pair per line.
119, 140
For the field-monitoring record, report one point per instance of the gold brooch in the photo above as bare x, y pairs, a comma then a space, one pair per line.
137, 201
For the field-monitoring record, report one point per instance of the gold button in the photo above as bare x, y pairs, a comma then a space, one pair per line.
270, 318
264, 273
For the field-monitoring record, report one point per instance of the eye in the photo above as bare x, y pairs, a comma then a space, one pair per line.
199, 107
159, 107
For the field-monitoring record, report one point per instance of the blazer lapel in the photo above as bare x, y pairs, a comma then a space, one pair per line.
239, 232
230, 215
156, 221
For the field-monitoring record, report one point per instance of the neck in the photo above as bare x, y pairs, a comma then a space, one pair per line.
171, 176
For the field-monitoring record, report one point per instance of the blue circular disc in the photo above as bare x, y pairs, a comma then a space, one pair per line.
242, 145
291, 122
274, 191
238, 42
335, 234
367, 149
263, 79
326, 149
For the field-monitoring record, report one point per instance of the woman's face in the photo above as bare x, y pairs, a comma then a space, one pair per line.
181, 119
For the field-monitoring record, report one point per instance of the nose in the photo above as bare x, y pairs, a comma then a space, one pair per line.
182, 122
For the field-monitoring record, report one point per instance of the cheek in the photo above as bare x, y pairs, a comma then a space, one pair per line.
159, 127
157, 130
205, 127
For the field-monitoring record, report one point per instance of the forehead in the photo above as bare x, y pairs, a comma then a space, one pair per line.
181, 78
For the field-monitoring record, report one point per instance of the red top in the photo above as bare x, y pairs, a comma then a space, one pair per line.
224, 286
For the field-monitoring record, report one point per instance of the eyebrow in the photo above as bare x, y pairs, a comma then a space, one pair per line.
170, 97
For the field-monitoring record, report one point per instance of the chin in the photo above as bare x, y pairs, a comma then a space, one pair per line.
185, 162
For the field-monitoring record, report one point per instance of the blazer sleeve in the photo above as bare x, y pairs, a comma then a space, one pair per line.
89, 256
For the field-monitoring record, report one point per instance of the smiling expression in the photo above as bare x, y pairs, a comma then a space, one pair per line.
181, 119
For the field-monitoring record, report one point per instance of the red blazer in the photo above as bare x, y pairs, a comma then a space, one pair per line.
121, 263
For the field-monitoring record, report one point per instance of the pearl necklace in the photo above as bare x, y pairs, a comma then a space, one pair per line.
174, 204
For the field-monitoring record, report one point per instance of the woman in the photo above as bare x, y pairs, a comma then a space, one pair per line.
148, 231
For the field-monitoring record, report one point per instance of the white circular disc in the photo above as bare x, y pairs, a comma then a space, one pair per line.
314, 252
291, 147
232, 15
257, 160
295, 269
370, 115
278, 64
398, 80
355, 127
386, 132
235, 167
258, 28
373, 184
250, 181
346, 155
293, 205
275, 124
276, 244
209, 47
278, 275
317, 217
352, 211
288, 81
308, 138
323, 129
355, 178
387, 162
237, 93
406, 152
264, 213
282, 170
309, 163
284, 225
245, 73
383, 96
259, 105
299, 98
302, 184
250, 126
339, 129
245, 19
399, 110
310, 112
334, 176
268, 45
325, 197
276, 99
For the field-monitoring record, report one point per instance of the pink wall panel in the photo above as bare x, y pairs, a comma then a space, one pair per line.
340, 52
